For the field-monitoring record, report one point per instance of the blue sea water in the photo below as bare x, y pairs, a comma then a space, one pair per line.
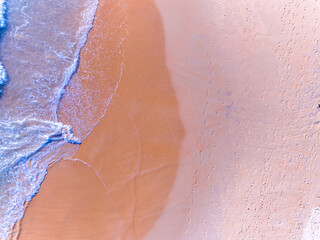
40, 45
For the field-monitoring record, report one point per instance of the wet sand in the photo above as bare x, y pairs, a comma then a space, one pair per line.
120, 179
212, 134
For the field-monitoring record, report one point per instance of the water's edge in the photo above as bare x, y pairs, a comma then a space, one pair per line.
58, 145
28, 163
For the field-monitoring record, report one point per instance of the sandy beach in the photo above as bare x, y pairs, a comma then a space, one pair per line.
140, 168
212, 133
125, 170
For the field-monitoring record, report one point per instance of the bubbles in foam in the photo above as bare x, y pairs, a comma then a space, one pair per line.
2, 13
40, 52
22, 138
3, 74
3, 77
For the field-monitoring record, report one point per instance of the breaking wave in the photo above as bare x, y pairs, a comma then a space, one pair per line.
39, 54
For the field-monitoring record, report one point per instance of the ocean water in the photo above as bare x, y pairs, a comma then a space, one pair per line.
40, 45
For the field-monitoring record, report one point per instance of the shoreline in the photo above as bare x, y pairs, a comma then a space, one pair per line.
144, 91
208, 131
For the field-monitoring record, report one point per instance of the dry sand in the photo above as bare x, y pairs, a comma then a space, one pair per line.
213, 132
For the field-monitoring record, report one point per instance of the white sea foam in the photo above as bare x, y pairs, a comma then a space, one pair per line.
3, 77
22, 138
2, 13
3, 74
40, 52
27, 177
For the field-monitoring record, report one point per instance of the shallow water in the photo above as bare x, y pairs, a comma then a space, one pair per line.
40, 52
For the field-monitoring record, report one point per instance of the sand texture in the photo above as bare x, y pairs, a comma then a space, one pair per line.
213, 132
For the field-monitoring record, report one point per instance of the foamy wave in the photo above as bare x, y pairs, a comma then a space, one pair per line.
18, 184
40, 66
88, 16
3, 73
3, 77
21, 138
22, 168
3, 9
